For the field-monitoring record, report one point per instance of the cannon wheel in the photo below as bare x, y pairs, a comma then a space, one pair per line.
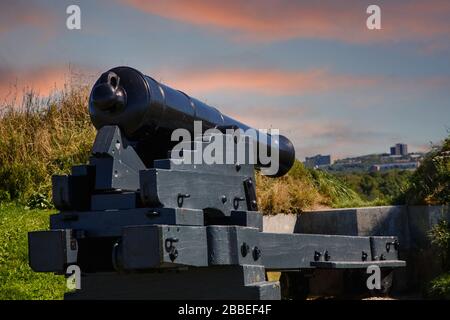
294, 285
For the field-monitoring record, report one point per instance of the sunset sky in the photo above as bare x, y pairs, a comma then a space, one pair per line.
310, 68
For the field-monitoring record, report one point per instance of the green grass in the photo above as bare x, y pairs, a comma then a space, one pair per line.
440, 287
17, 280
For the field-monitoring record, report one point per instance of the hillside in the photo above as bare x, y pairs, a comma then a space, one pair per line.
42, 137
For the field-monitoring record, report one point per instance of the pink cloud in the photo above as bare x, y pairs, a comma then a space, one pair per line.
260, 20
19, 14
43, 81
266, 81
278, 82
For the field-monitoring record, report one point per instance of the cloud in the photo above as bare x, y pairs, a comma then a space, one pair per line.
266, 81
260, 20
279, 82
43, 80
309, 134
19, 13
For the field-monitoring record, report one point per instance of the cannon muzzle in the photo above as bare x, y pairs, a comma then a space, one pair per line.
109, 95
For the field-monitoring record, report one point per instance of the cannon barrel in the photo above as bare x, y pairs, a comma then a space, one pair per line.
144, 108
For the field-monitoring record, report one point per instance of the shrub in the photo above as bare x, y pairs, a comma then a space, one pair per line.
39, 201
440, 237
440, 287
430, 184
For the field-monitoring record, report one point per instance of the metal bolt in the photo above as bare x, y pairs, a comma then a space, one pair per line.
173, 254
364, 256
224, 198
317, 255
245, 249
152, 214
394, 243
181, 197
170, 247
256, 253
236, 201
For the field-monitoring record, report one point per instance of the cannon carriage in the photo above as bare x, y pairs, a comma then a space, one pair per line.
142, 224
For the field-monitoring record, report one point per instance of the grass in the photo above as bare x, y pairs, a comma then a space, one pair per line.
17, 280
40, 138
303, 189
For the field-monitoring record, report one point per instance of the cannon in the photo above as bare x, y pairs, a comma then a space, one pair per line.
147, 111
142, 223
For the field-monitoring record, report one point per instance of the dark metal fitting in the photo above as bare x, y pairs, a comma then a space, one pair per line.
327, 256
364, 256
256, 253
173, 252
317, 255
236, 201
169, 243
181, 197
224, 199
152, 214
394, 243
245, 249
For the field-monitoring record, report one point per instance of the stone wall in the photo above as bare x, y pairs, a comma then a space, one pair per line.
411, 224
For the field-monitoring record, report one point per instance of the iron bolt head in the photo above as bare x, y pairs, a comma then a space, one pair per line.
256, 253
245, 249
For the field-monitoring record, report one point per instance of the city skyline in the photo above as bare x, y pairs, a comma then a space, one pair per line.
313, 70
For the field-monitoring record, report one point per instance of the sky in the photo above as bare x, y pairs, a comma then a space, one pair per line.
311, 69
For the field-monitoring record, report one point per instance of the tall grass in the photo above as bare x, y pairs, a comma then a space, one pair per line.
303, 189
41, 137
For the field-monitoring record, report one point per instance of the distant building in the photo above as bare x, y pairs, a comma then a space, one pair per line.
392, 166
317, 161
393, 151
400, 149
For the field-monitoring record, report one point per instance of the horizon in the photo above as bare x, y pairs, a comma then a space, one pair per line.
314, 71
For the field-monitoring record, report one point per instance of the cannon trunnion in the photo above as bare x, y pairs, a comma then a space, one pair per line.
142, 226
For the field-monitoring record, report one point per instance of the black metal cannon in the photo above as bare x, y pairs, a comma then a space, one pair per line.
141, 224
147, 112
